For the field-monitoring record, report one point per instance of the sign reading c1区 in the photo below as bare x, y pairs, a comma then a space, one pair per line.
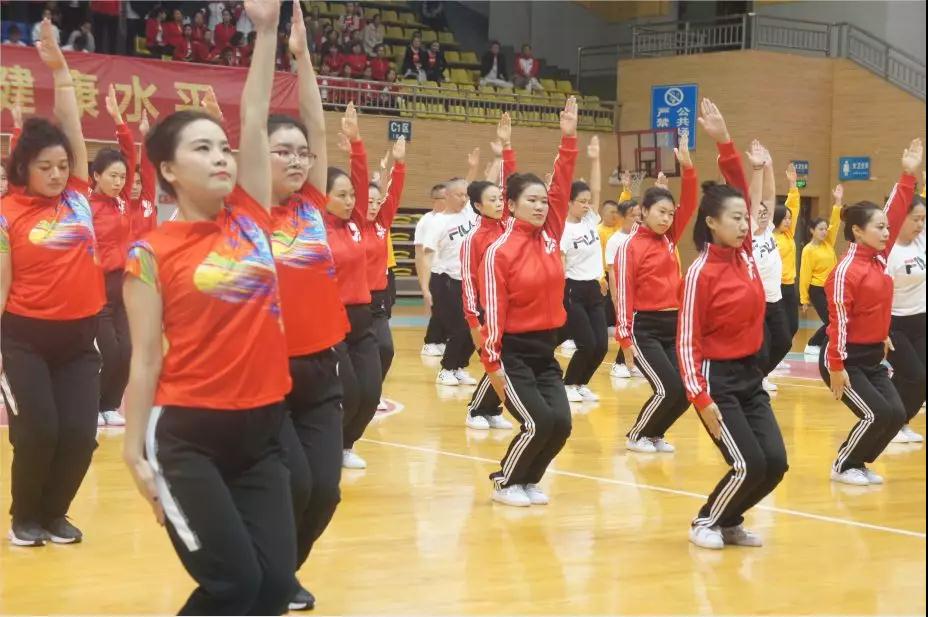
802, 167
399, 128
854, 168
674, 107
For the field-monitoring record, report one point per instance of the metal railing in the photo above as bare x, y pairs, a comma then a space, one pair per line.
752, 31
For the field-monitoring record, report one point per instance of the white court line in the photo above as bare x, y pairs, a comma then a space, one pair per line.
659, 489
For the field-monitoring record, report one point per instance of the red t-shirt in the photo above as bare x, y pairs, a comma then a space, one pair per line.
314, 316
222, 34
203, 53
183, 50
345, 236
374, 233
51, 242
379, 68
223, 332
334, 62
198, 31
357, 62
173, 33
106, 7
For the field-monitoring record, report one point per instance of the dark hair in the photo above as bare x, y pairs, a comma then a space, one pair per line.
161, 142
656, 194
275, 122
333, 174
14, 29
475, 191
857, 214
626, 206
37, 134
438, 187
917, 200
517, 183
609, 202
779, 213
494, 42
236, 39
816, 222
106, 157
578, 187
80, 42
712, 204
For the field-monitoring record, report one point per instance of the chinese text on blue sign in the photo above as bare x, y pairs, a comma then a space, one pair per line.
399, 128
674, 107
854, 168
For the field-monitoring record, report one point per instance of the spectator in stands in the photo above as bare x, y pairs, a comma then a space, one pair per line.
435, 64
105, 15
356, 38
203, 50
224, 31
174, 29
87, 30
374, 33
331, 41
414, 60
248, 48
214, 11
526, 73
183, 51
283, 60
241, 20
388, 93
368, 88
380, 64
314, 30
356, 60
433, 15
334, 60
493, 67
154, 32
199, 26
353, 19
79, 44
14, 36
46, 14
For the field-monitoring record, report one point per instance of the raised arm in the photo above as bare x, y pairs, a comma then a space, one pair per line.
756, 188
66, 108
897, 206
17, 112
358, 160
394, 191
689, 191
310, 99
834, 222
559, 190
473, 164
254, 164
769, 195
125, 140
596, 179
626, 193
792, 199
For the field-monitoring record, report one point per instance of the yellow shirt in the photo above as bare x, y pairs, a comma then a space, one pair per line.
819, 260
606, 232
391, 258
786, 240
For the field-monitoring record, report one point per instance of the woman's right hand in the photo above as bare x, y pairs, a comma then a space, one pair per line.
144, 477
350, 123
629, 354
498, 381
712, 419
804, 308
476, 335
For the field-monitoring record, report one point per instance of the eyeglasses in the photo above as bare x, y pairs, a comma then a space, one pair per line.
288, 156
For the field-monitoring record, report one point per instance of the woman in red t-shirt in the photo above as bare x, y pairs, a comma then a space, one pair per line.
209, 357
357, 60
222, 33
359, 358
174, 29
51, 290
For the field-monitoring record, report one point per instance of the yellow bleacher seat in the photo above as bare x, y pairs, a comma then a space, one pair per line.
446, 38
564, 86
141, 48
453, 57
467, 89
549, 85
474, 75
369, 12
429, 36
408, 19
390, 17
469, 57
486, 89
460, 76
604, 122
337, 8
394, 32
449, 86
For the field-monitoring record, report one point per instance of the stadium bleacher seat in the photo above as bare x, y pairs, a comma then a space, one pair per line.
461, 76
447, 38
337, 8
549, 85
394, 33
453, 57
141, 48
564, 86
470, 57
429, 36
390, 17
369, 12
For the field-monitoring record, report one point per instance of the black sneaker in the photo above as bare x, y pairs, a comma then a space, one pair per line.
27, 533
61, 531
303, 600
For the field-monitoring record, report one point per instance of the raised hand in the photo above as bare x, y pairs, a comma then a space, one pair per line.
297, 43
569, 117
112, 106
712, 122
473, 158
756, 154
912, 157
144, 126
592, 150
627, 180
399, 149
504, 129
661, 181
350, 123
791, 175
211, 104
264, 14
17, 111
47, 46
682, 152
838, 195
343, 144
496, 146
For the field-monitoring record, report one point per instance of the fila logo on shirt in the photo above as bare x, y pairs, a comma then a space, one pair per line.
147, 208
766, 248
460, 231
588, 239
355, 232
914, 264
121, 204
550, 243
750, 263
380, 230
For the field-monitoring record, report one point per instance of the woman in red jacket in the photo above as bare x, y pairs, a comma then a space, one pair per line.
522, 287
359, 358
51, 290
860, 298
647, 274
719, 335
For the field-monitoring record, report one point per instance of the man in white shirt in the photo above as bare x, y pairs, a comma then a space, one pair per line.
435, 336
442, 255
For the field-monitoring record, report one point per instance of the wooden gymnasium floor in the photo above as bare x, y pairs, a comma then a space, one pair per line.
417, 534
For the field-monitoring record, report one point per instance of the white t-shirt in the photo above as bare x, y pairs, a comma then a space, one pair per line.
582, 250
422, 227
614, 245
769, 264
446, 233
906, 264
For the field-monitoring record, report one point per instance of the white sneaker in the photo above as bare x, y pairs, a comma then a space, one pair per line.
573, 394
620, 371
499, 422
874, 477
901, 437
852, 475
769, 386
536, 495
586, 394
707, 537
636, 372
662, 446
350, 460
446, 378
568, 345
478, 423
513, 495
464, 377
431, 349
912, 435
441, 348
382, 405
101, 421
113, 418
784, 366
812, 350
642, 444
739, 536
